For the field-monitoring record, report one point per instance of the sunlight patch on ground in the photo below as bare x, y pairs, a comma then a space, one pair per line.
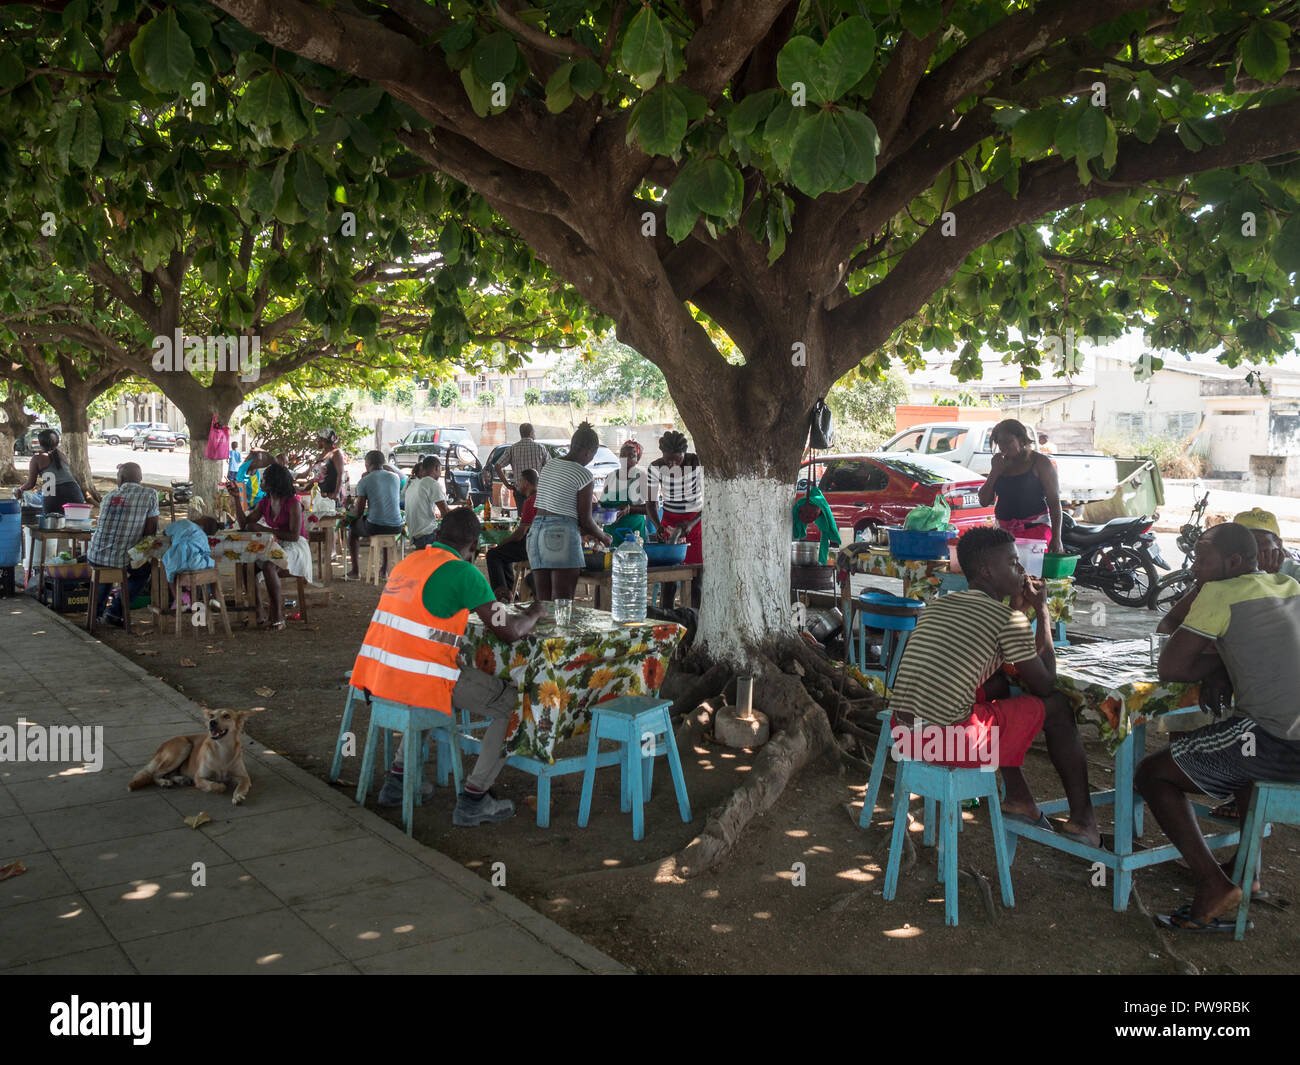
763, 915
142, 891
368, 935
906, 932
857, 875
709, 893
797, 833
721, 928
70, 913
267, 959
612, 861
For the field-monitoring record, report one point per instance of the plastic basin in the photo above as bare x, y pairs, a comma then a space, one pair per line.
917, 544
1059, 565
666, 554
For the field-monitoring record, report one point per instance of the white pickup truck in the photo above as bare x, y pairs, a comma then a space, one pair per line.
1083, 478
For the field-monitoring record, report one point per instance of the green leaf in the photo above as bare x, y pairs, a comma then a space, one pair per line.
494, 58
1216, 186
1148, 125
861, 144
1264, 55
363, 321
449, 243
559, 91
779, 131
361, 100
661, 122
1091, 132
1286, 246
87, 140
162, 53
309, 183
264, 101
644, 46
1209, 132
1034, 133
258, 194
712, 186
1110, 149
800, 63
13, 71
1188, 136
587, 77
679, 219
817, 155
63, 138
921, 17
113, 115
752, 110
458, 38
480, 97
847, 55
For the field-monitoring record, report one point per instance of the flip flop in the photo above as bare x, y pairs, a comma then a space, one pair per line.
1079, 837
1025, 819
1181, 920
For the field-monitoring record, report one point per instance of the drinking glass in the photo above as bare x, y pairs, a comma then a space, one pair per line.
563, 612
1157, 641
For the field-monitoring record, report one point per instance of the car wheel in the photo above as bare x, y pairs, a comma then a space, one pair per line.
112, 441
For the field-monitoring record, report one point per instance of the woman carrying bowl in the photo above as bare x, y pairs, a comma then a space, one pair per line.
679, 474
563, 514
1024, 483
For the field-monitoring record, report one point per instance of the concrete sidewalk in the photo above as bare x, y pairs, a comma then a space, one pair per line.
299, 879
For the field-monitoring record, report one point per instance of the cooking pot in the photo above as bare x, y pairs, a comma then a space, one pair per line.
804, 552
49, 522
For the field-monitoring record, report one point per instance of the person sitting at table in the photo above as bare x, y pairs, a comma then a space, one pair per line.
1025, 485
514, 548
331, 470
127, 515
627, 488
248, 479
280, 512
426, 502
949, 676
433, 591
49, 468
1241, 642
376, 512
563, 514
678, 475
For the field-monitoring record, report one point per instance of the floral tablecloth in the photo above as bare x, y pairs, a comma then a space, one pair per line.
562, 673
1114, 686
230, 545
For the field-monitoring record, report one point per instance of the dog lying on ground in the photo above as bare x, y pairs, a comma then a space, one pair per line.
209, 761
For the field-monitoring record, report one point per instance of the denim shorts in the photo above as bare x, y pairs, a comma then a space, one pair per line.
554, 543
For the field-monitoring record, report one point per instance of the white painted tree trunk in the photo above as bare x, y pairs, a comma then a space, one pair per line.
745, 601
206, 474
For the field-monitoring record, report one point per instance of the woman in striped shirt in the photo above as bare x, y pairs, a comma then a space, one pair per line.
679, 473
564, 490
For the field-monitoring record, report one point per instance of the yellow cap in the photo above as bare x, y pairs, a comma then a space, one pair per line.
1258, 519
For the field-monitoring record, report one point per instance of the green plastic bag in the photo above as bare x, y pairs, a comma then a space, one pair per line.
931, 518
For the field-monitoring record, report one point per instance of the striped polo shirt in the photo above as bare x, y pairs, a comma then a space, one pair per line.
558, 485
960, 640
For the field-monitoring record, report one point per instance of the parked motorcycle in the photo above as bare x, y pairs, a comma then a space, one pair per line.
1118, 558
1173, 586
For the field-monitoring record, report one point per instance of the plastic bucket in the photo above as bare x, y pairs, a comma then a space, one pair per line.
11, 536
1032, 553
919, 544
1059, 565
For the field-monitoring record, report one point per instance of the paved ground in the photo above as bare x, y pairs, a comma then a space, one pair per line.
299, 879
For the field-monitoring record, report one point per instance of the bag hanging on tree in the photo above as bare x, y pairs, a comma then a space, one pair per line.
218, 441
821, 427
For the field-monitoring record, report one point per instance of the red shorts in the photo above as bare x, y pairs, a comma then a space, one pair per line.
995, 734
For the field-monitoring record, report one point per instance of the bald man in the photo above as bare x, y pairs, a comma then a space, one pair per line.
127, 515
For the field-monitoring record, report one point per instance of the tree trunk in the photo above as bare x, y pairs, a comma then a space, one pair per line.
206, 474
74, 436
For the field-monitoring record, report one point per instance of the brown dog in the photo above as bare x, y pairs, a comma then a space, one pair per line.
208, 760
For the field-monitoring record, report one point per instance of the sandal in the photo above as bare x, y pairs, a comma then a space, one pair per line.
1181, 920
276, 626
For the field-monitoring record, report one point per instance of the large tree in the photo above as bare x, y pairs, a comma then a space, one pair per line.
829, 182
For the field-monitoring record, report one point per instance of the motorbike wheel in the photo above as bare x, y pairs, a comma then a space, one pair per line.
1169, 589
1126, 576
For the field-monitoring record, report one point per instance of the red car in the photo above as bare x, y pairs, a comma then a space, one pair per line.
871, 491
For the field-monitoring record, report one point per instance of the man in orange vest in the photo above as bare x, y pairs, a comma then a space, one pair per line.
410, 655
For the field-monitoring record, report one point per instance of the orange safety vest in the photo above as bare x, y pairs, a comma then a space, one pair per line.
408, 655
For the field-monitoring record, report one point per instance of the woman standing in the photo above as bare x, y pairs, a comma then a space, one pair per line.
564, 491
1024, 483
627, 489
279, 512
49, 463
679, 474
331, 471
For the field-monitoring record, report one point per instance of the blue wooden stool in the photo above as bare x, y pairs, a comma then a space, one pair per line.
1268, 803
947, 787
411, 721
896, 627
635, 721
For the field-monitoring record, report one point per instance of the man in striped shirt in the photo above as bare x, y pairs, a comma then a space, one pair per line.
524, 454
950, 701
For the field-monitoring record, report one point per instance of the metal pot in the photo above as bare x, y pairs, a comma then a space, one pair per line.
822, 624
49, 522
804, 552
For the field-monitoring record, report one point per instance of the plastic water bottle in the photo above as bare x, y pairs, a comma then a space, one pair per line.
629, 582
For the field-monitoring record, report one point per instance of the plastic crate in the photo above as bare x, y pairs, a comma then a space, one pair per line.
65, 596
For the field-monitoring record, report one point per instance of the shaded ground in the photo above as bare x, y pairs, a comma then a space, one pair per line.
750, 916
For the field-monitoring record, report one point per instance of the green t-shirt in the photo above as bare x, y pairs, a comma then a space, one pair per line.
455, 586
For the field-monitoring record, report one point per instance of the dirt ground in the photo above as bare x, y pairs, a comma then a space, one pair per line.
760, 912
